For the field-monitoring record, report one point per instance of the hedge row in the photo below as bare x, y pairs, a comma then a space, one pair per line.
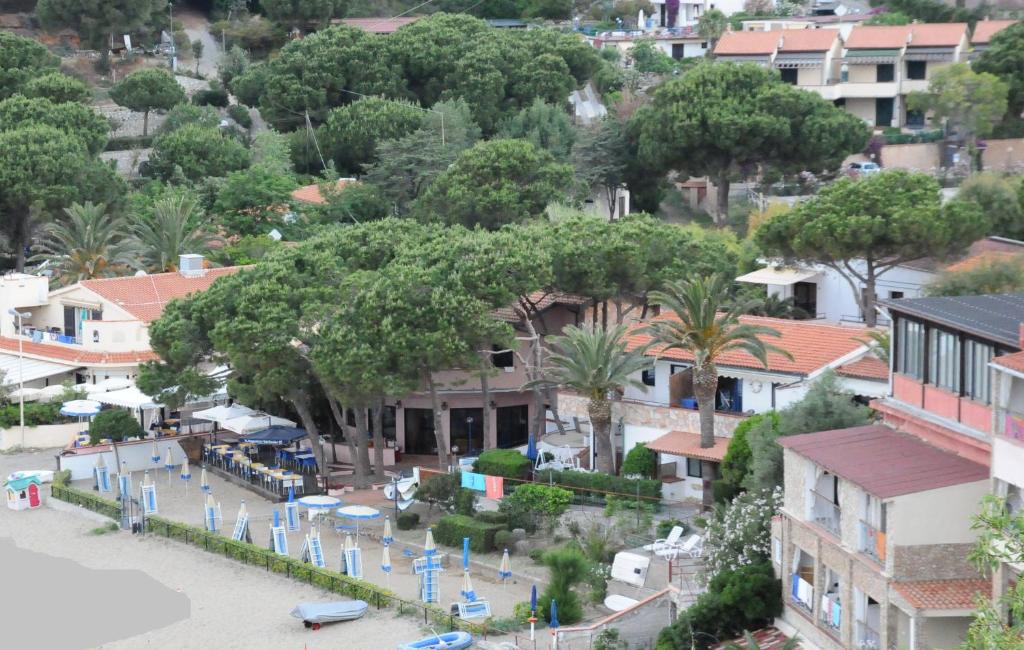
451, 530
492, 517
601, 483
503, 462
130, 142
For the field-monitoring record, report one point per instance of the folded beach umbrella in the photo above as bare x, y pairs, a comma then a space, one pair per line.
155, 454
429, 548
168, 464
124, 481
554, 614
505, 569
467, 587
388, 538
186, 474
385, 563
204, 483
212, 514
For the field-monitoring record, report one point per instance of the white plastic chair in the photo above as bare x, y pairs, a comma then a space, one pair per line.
688, 548
668, 542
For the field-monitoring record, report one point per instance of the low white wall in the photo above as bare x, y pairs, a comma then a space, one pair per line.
42, 437
638, 626
137, 457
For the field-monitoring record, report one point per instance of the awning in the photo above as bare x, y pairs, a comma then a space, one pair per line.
777, 275
682, 443
223, 412
248, 424
276, 435
33, 369
131, 398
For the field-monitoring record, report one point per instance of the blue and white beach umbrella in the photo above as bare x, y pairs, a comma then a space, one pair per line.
186, 474
155, 454
102, 475
531, 448
291, 512
80, 408
554, 614
358, 513
505, 569
212, 514
385, 560
429, 547
388, 538
204, 483
467, 584
124, 481
168, 464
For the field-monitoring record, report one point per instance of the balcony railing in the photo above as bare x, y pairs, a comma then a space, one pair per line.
872, 542
826, 513
46, 336
867, 637
830, 614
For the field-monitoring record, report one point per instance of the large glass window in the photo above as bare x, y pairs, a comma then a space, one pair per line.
944, 360
977, 376
910, 346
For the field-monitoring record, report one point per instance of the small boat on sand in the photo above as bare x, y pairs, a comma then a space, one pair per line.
314, 614
449, 641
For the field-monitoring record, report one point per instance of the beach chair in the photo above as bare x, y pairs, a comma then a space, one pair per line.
690, 548
668, 542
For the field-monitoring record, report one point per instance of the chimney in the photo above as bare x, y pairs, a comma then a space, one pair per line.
190, 264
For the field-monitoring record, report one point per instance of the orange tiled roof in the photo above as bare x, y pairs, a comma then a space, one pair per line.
145, 296
748, 43
813, 345
683, 443
944, 594
69, 354
1013, 361
311, 193
937, 34
878, 37
541, 300
984, 30
808, 40
984, 258
867, 367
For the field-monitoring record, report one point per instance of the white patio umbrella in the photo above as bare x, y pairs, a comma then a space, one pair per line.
388, 537
222, 413
48, 393
641, 23
83, 408
357, 513
26, 394
253, 423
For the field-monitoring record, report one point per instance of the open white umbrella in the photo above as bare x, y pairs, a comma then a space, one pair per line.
83, 408
113, 383
357, 513
51, 392
26, 394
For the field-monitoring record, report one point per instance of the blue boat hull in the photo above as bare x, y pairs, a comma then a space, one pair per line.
451, 641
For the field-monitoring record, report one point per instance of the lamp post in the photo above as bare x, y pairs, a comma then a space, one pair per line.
469, 435
21, 370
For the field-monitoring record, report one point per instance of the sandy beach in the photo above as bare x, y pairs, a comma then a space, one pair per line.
230, 605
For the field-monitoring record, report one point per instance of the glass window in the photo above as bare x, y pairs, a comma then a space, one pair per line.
944, 359
502, 358
977, 376
789, 75
885, 72
910, 346
647, 377
693, 467
916, 69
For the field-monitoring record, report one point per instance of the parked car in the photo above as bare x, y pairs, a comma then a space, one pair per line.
863, 168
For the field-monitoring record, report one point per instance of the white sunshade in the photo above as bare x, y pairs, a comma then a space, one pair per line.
253, 423
33, 369
26, 394
223, 413
113, 383
132, 398
778, 275
51, 392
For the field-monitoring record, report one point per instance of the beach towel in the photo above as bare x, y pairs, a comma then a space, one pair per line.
467, 480
836, 610
495, 487
796, 586
474, 481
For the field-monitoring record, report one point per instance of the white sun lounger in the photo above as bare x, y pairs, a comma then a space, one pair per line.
617, 603
692, 548
669, 542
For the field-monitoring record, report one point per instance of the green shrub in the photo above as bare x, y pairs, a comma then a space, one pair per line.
521, 612
36, 414
503, 539
211, 97
537, 555
129, 142
63, 477
640, 461
445, 491
503, 462
465, 502
407, 520
738, 457
492, 517
531, 503
115, 424
593, 484
453, 528
568, 567
665, 527
240, 114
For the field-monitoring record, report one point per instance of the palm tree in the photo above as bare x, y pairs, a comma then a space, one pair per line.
880, 344
711, 26
595, 362
89, 243
176, 227
707, 329
776, 307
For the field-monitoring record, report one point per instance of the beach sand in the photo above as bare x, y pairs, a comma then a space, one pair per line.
231, 605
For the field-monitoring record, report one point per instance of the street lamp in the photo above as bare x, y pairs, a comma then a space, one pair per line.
469, 435
21, 369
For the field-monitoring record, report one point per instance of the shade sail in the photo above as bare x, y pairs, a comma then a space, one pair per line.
778, 275
131, 398
223, 412
276, 435
253, 423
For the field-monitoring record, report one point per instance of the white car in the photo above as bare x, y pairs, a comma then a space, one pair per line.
863, 168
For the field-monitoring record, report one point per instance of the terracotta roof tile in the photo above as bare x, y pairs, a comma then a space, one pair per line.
878, 37
937, 34
748, 43
311, 193
996, 244
883, 461
378, 25
144, 296
1013, 361
944, 594
867, 367
808, 40
542, 300
983, 259
69, 354
682, 443
984, 30
813, 345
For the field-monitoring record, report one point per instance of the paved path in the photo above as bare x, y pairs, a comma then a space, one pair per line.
197, 26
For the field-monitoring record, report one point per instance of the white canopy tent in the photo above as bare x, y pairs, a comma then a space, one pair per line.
223, 413
255, 422
130, 398
111, 384
779, 275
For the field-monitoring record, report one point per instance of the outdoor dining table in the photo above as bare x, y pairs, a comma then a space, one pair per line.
305, 460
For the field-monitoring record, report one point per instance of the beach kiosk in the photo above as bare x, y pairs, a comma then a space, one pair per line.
24, 492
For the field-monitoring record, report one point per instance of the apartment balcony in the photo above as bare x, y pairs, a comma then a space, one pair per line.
831, 91
50, 336
872, 542
867, 637
957, 409
867, 89
914, 86
830, 614
801, 593
826, 513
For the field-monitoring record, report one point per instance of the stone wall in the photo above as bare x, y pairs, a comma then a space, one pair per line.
638, 626
668, 418
42, 437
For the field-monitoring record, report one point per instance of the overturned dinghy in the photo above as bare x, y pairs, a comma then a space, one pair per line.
449, 641
314, 614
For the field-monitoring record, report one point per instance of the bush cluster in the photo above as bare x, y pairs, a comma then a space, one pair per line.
36, 414
502, 462
408, 520
451, 530
115, 424
584, 481
640, 461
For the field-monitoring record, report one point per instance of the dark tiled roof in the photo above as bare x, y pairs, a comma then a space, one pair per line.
883, 461
541, 300
995, 317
